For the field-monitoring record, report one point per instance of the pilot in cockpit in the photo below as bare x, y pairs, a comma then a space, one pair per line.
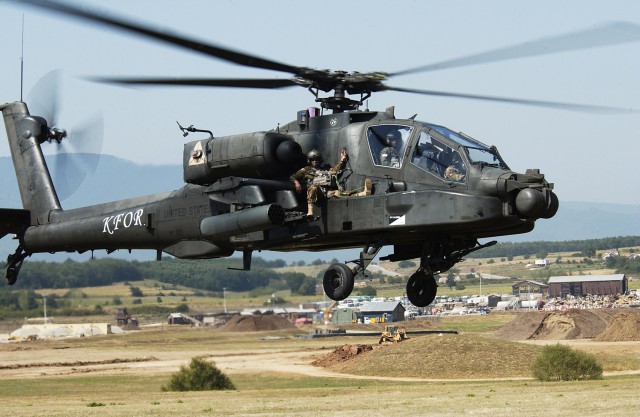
389, 155
456, 170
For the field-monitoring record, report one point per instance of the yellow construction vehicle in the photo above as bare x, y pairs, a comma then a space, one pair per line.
391, 334
327, 312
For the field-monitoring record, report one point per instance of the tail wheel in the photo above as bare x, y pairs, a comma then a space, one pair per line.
338, 282
421, 289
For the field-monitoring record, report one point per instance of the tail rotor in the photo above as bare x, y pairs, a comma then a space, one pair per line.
76, 152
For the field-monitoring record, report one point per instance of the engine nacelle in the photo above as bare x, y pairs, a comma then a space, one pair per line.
265, 155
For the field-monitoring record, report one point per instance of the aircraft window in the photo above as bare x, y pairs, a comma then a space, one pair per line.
387, 144
478, 152
462, 140
486, 157
438, 159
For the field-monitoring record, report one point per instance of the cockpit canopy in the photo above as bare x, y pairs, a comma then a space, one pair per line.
437, 150
477, 152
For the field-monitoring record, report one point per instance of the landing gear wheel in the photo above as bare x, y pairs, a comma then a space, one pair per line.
421, 289
338, 282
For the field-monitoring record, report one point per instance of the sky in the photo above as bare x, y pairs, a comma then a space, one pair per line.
589, 157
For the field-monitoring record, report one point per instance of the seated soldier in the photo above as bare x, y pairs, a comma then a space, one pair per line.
317, 178
456, 170
389, 155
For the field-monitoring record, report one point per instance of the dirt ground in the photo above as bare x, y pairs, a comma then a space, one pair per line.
592, 330
605, 325
256, 324
438, 374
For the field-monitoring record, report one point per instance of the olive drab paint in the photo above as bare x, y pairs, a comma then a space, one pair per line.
426, 191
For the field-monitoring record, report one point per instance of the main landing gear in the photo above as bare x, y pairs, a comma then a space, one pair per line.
421, 288
438, 255
338, 282
339, 278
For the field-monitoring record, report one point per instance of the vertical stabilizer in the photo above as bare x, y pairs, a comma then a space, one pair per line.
26, 133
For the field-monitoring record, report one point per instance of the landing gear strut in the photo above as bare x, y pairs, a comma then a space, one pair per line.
339, 278
438, 255
14, 263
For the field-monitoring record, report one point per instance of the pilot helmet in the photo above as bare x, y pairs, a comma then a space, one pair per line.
392, 139
314, 155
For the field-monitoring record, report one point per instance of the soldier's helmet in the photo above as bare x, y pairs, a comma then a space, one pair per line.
314, 155
393, 139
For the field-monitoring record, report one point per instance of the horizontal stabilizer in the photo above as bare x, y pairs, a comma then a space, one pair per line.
13, 221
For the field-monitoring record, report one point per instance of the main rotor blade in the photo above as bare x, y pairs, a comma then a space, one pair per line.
267, 83
609, 34
219, 52
538, 103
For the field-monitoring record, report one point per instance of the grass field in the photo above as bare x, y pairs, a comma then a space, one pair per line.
467, 374
277, 395
426, 375
157, 293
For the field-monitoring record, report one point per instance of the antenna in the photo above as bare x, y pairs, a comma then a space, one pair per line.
22, 60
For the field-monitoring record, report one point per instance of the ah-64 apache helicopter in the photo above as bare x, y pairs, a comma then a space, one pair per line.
433, 199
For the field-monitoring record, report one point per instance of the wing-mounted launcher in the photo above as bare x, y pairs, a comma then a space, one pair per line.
259, 155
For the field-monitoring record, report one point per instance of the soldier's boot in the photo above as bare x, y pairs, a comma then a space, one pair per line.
310, 208
368, 187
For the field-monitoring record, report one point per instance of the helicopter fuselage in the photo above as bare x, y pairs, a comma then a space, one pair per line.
433, 194
409, 202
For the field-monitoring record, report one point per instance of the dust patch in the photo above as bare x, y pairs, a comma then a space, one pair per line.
342, 354
450, 356
256, 324
623, 327
77, 363
556, 325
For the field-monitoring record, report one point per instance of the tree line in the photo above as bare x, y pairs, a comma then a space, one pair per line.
214, 275
209, 275
624, 265
587, 248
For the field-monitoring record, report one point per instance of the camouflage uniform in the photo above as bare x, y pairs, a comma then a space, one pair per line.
318, 180
389, 157
453, 173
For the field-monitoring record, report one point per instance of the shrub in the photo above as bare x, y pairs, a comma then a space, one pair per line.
561, 363
182, 308
200, 375
368, 290
407, 264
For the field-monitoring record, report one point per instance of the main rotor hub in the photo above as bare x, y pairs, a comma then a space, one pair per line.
341, 83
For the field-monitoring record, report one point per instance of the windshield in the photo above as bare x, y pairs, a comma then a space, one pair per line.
439, 159
387, 144
478, 152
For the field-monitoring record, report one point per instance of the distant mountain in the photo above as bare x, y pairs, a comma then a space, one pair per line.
579, 221
116, 178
